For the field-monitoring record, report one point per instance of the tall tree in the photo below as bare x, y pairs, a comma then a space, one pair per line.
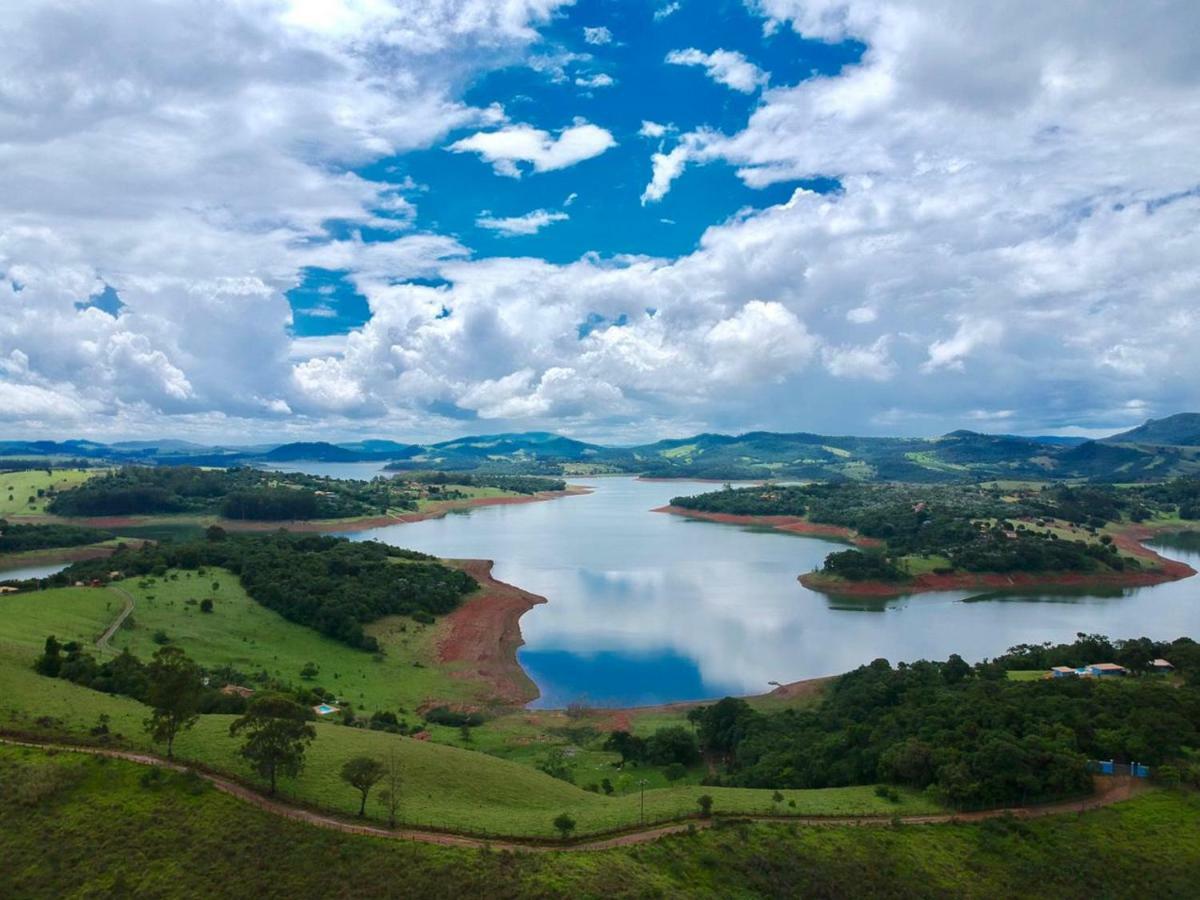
174, 688
389, 795
277, 733
362, 773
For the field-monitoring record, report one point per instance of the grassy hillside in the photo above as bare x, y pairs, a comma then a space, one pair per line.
27, 493
445, 787
87, 827
251, 638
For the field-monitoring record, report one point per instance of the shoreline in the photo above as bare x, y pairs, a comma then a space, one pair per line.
483, 635
790, 524
1128, 538
435, 510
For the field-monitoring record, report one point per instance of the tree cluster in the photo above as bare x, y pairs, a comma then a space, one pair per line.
333, 585
967, 733
16, 538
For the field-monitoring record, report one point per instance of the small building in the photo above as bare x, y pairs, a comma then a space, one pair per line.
1102, 670
237, 690
8, 589
1063, 672
1161, 666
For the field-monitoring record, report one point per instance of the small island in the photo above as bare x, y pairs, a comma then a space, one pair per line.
915, 538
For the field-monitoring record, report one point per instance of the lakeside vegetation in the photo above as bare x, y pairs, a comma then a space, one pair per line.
965, 528
967, 733
19, 538
239, 493
333, 585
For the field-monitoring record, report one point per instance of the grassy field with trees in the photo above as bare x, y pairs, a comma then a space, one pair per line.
169, 835
445, 787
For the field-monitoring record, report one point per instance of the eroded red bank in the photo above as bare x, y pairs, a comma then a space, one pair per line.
1129, 539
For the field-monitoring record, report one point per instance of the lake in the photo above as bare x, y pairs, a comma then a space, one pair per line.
648, 608
20, 574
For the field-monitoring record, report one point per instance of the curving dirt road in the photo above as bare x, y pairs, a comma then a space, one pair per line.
102, 641
1110, 791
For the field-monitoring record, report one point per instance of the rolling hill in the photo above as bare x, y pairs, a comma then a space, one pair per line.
1159, 449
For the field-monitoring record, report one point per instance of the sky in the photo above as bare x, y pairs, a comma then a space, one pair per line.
614, 219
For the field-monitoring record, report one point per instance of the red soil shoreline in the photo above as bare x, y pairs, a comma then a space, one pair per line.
484, 634
792, 524
51, 557
1128, 539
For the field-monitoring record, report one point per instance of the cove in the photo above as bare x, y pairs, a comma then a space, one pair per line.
648, 608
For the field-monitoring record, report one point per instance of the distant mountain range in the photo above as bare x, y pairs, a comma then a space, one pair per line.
1159, 449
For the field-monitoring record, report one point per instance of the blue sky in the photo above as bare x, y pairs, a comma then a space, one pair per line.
407, 219
599, 196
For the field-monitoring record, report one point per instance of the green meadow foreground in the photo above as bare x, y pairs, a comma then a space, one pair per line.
75, 826
445, 787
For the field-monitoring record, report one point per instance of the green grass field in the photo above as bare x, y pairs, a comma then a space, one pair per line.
446, 787
252, 638
19, 490
75, 827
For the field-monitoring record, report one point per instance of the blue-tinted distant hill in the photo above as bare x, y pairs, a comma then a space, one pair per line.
1158, 450
1181, 430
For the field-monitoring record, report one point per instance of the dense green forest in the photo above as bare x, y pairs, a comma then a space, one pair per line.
333, 585
976, 528
967, 732
518, 484
240, 493
20, 538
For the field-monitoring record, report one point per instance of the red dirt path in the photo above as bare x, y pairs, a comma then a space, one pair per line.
1108, 792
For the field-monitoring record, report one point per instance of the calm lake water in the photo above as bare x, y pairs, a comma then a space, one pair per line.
31, 572
648, 608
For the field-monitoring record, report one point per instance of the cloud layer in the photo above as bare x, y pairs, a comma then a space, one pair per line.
1015, 237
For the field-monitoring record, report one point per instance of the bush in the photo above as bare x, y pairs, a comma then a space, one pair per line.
675, 771
564, 825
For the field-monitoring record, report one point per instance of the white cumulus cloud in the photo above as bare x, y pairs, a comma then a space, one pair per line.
727, 67
530, 223
543, 151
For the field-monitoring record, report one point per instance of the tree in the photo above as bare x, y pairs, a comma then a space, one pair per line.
174, 689
389, 795
673, 744
309, 672
277, 733
630, 746
206, 605
215, 533
564, 824
362, 773
705, 802
50, 662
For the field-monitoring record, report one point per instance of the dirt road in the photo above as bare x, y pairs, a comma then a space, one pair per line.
1109, 791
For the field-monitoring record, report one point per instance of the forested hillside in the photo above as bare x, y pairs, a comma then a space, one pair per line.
331, 584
